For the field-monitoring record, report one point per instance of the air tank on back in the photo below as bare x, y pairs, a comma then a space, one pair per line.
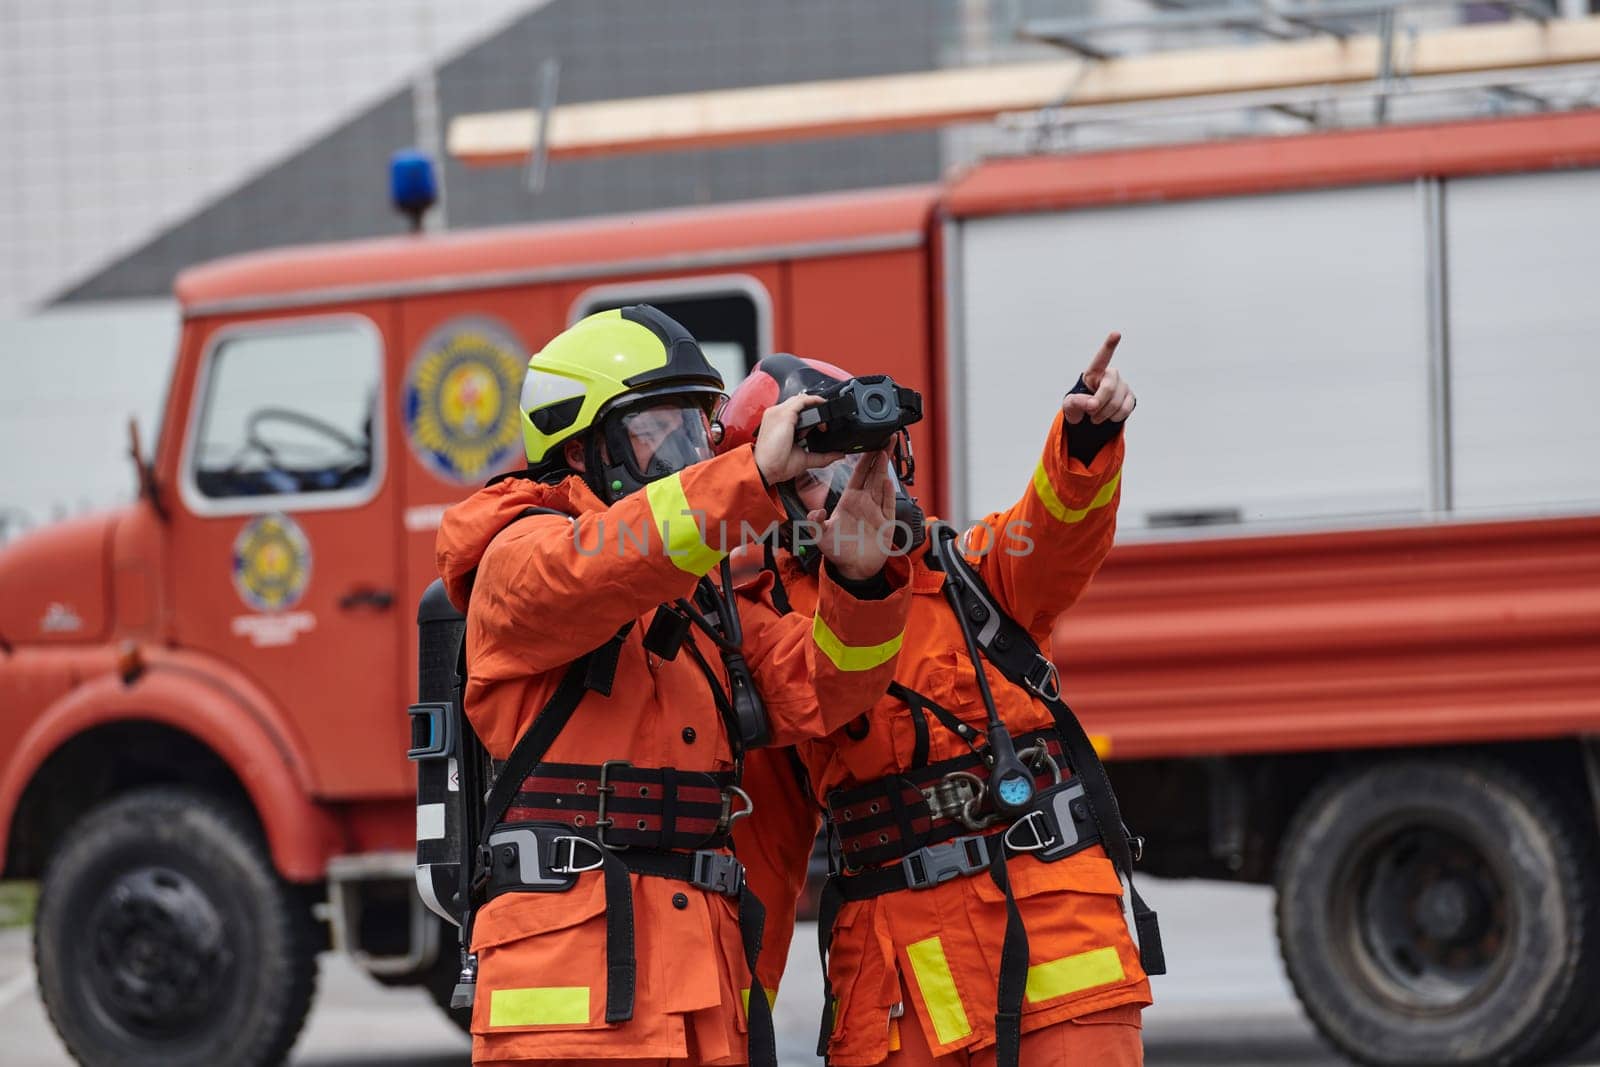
441, 745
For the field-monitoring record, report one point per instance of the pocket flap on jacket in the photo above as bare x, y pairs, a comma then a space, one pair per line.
1084, 872
517, 915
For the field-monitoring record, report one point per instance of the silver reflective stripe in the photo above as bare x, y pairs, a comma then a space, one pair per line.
430, 822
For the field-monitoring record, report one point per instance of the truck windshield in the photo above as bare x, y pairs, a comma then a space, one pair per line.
288, 409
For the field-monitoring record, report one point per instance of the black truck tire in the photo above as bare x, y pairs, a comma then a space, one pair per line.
1438, 911
164, 938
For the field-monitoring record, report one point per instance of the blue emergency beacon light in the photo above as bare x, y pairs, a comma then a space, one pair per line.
412, 186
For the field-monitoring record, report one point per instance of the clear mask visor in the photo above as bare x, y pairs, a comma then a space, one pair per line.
661, 439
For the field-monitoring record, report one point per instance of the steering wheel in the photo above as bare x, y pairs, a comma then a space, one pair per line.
358, 451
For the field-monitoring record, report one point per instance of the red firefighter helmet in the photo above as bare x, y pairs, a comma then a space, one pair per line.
776, 379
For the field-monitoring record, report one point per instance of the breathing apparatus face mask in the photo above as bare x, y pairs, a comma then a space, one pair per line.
650, 439
822, 487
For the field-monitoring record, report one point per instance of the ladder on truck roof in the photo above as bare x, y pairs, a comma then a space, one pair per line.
1321, 53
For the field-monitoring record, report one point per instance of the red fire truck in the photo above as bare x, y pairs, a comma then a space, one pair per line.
1349, 642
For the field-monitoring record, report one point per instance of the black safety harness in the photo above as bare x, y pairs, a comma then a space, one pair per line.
1044, 794
544, 824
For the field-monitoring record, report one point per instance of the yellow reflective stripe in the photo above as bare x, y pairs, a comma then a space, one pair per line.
853, 657
539, 1006
1052, 503
744, 994
679, 530
1069, 974
938, 988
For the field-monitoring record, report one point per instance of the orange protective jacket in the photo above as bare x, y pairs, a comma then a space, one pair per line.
943, 944
546, 589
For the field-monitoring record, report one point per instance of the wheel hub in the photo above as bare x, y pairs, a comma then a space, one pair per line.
1431, 918
1447, 909
159, 954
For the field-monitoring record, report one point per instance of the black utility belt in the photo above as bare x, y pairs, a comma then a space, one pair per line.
623, 806
1055, 826
531, 857
891, 817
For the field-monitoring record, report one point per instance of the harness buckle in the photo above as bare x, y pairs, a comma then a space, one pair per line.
482, 868
571, 866
931, 865
1037, 825
717, 872
1043, 679
603, 793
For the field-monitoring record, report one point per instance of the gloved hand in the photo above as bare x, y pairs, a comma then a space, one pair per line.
858, 536
779, 457
1109, 398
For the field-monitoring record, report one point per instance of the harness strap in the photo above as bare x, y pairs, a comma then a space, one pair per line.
780, 594
1013, 969
947, 718
542, 733
828, 906
763, 1039
1009, 646
621, 960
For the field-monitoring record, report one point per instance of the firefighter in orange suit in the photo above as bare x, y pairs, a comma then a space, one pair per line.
919, 931
582, 581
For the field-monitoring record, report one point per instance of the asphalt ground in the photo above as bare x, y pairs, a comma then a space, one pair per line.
1226, 1002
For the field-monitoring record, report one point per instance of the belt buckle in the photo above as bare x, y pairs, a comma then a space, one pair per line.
940, 863
571, 866
717, 872
603, 792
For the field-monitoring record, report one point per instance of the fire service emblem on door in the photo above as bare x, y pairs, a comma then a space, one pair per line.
460, 400
271, 562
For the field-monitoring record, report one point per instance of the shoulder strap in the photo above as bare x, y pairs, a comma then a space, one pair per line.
921, 707
594, 670
1007, 644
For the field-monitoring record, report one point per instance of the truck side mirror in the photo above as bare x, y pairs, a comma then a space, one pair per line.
144, 471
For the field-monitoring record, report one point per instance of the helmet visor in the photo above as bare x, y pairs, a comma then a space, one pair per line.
655, 440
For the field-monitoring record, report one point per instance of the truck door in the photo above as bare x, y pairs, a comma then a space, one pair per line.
284, 532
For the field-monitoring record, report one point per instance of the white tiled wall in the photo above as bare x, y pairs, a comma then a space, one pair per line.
117, 118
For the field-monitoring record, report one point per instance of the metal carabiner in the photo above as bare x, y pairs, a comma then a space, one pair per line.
728, 817
947, 797
969, 811
1035, 754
